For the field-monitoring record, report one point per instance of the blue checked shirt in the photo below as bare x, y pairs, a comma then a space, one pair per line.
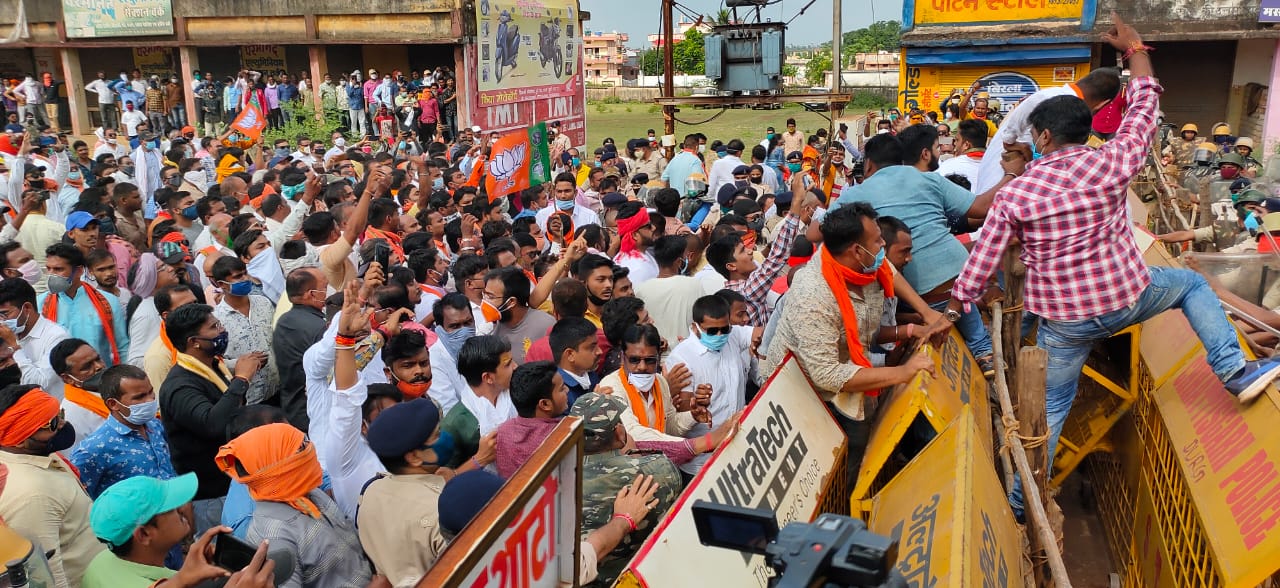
114, 452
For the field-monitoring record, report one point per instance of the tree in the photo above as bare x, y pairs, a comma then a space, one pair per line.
816, 71
722, 17
688, 54
651, 62
789, 70
883, 35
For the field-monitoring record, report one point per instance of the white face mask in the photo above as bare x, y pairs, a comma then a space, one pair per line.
340, 142
641, 381
195, 178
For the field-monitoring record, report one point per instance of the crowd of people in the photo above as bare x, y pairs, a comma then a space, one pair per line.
338, 355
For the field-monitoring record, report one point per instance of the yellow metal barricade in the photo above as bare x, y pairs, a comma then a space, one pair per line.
916, 412
950, 515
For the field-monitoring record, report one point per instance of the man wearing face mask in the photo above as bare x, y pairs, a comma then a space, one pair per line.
198, 399
454, 324
399, 511
148, 168
84, 311
564, 192
30, 336
485, 363
520, 326
247, 319
262, 263
130, 442
637, 234
80, 368
43, 496
20, 264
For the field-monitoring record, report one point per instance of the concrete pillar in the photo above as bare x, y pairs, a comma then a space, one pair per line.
188, 63
1271, 126
319, 56
76, 100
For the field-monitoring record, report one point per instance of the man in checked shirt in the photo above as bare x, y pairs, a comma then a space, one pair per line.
1085, 276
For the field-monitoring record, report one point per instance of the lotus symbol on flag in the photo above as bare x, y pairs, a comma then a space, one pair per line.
250, 119
504, 165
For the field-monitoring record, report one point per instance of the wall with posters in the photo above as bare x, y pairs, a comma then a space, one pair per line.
532, 81
926, 87
153, 61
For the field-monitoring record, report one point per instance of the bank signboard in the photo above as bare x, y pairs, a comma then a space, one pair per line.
88, 19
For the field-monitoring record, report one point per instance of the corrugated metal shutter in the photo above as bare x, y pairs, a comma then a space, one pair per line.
771, 47
713, 53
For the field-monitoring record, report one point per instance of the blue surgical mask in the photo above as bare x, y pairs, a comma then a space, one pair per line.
576, 162
565, 205
1251, 223
443, 447
190, 213
453, 341
875, 266
241, 288
713, 342
12, 325
141, 414
155, 144
438, 184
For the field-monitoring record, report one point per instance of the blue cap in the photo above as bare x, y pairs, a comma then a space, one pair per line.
130, 503
465, 496
783, 197
79, 220
404, 427
613, 199
726, 193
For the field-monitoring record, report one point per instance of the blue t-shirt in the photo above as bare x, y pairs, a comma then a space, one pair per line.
683, 165
927, 203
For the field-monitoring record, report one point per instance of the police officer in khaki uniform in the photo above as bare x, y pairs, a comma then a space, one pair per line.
1183, 147
1252, 167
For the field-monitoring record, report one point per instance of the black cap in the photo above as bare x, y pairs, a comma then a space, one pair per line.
613, 199
465, 496
640, 178
783, 197
404, 427
726, 193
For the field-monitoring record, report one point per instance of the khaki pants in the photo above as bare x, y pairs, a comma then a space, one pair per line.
52, 111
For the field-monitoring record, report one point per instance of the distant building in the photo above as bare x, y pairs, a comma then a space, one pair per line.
607, 60
681, 28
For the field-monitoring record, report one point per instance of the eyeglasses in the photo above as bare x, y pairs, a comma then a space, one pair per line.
56, 422
647, 360
717, 330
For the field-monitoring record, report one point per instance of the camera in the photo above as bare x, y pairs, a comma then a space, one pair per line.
832, 551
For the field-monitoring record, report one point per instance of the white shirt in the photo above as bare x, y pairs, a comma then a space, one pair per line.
447, 385
488, 414
643, 267
726, 371
32, 356
105, 94
343, 451
131, 118
144, 328
711, 279
119, 150
722, 173
670, 304
582, 216
1016, 128
483, 326
961, 165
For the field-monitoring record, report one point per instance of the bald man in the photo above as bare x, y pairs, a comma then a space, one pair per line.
235, 187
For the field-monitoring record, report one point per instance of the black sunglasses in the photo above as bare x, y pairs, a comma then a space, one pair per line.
717, 330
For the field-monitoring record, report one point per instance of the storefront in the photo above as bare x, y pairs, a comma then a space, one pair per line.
1012, 48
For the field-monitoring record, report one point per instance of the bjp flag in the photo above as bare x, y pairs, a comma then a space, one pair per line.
251, 121
518, 161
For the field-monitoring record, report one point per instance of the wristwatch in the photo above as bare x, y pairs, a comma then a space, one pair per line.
951, 315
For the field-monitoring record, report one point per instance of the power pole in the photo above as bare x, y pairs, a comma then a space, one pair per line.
668, 74
836, 63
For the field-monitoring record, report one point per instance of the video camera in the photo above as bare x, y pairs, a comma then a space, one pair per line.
832, 551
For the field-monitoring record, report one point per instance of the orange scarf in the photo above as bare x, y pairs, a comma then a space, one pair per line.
839, 278
86, 400
637, 404
100, 304
32, 410
392, 239
164, 339
266, 459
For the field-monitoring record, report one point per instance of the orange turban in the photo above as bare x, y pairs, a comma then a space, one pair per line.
268, 460
33, 410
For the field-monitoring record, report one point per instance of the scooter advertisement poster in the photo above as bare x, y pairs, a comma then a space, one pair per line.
527, 49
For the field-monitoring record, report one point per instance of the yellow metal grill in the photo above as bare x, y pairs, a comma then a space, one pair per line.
835, 496
1103, 396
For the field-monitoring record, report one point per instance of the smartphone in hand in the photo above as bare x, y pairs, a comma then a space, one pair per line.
232, 554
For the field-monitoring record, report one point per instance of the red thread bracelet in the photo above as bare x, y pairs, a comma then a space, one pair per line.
626, 517
1136, 48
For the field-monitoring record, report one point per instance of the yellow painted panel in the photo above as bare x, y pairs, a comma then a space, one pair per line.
995, 11
257, 29
417, 28
1150, 553
926, 87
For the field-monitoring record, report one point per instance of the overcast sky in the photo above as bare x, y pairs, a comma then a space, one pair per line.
639, 18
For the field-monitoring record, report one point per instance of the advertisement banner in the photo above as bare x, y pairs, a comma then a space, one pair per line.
87, 19
780, 460
527, 50
996, 11
927, 87
519, 160
568, 110
1269, 11
265, 59
154, 61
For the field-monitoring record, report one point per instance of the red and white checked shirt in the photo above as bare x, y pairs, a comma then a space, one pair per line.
1068, 210
756, 287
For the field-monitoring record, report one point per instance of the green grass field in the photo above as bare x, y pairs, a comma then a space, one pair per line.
632, 120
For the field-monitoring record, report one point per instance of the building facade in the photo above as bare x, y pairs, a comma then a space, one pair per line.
1214, 57
607, 60
539, 77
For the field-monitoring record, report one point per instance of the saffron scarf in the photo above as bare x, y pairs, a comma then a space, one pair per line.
627, 228
228, 164
220, 378
838, 278
105, 315
32, 410
392, 239
86, 400
637, 403
276, 463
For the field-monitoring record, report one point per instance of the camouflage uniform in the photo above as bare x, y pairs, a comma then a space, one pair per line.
1252, 165
604, 474
1183, 151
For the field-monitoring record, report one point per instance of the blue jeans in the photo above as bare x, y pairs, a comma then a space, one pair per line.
975, 334
1069, 342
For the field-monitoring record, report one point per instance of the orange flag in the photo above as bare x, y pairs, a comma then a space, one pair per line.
517, 161
250, 122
